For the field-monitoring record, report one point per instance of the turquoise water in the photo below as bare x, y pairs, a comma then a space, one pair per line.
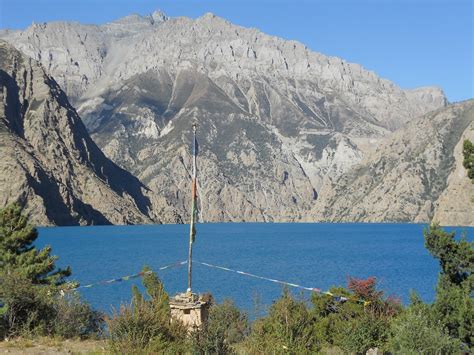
311, 255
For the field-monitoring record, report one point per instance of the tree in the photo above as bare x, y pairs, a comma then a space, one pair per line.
454, 306
18, 254
468, 162
31, 302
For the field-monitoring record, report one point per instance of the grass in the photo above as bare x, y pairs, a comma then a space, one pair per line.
51, 345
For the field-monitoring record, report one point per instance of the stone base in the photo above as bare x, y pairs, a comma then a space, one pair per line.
189, 309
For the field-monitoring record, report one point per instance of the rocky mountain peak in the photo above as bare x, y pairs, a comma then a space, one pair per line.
158, 16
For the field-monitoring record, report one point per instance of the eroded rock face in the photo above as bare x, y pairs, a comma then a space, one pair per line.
275, 119
455, 205
49, 163
415, 175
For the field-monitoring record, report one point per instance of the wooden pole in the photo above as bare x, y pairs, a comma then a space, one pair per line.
192, 226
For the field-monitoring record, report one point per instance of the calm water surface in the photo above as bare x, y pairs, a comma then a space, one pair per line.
312, 255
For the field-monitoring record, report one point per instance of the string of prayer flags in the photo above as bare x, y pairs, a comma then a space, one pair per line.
128, 277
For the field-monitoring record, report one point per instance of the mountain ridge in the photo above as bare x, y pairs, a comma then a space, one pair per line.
276, 119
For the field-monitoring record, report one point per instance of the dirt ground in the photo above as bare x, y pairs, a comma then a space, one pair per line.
52, 346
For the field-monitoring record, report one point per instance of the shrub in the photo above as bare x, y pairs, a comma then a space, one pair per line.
358, 321
417, 332
360, 334
32, 310
145, 325
27, 308
286, 328
73, 318
225, 326
331, 316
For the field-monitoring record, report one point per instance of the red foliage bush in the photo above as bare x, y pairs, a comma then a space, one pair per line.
365, 289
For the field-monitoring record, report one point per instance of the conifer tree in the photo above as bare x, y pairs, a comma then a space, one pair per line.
468, 162
18, 254
454, 306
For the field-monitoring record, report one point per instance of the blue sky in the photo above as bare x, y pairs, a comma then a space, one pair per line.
411, 42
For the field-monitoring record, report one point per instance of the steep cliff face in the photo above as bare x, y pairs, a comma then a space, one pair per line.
50, 164
413, 176
276, 119
455, 205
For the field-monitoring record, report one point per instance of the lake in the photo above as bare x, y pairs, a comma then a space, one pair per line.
312, 255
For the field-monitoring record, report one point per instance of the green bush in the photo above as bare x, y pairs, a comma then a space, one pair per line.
331, 317
27, 308
357, 324
74, 318
360, 334
225, 327
417, 332
145, 325
33, 310
288, 327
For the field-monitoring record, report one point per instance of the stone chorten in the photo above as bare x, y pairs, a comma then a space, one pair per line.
190, 309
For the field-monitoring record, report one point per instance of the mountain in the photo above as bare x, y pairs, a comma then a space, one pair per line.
415, 175
53, 168
275, 119
455, 205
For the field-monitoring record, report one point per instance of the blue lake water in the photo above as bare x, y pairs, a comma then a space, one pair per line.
311, 255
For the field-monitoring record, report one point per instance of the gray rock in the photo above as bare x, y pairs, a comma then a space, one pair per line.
276, 119
415, 175
50, 164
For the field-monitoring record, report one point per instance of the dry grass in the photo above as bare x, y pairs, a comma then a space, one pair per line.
47, 345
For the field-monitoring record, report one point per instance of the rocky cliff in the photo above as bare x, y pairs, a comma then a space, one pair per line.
275, 119
455, 205
50, 164
415, 175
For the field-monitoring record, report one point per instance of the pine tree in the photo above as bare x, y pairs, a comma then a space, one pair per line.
468, 162
18, 254
454, 306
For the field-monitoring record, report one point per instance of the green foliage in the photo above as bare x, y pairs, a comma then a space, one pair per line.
365, 332
32, 298
225, 327
74, 318
456, 258
417, 332
331, 317
360, 323
454, 306
286, 328
27, 308
18, 254
145, 325
468, 162
39, 310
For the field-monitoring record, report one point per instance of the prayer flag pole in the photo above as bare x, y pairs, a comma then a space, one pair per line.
192, 224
